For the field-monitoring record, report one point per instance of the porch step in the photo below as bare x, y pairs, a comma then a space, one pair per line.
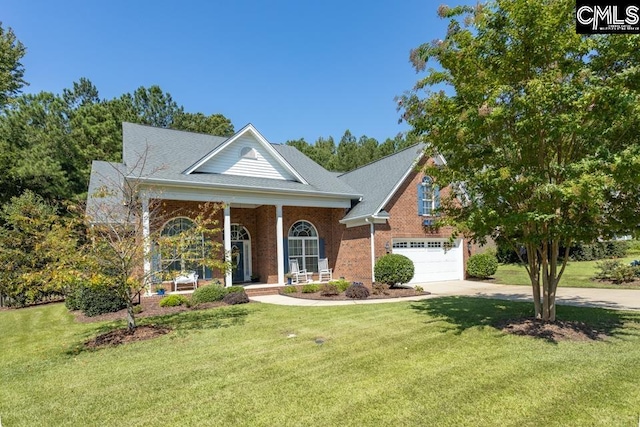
254, 292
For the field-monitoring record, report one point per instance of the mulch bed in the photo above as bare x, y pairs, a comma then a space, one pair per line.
123, 336
560, 330
150, 307
389, 293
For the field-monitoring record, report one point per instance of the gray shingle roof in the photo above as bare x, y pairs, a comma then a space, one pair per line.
377, 180
164, 154
105, 199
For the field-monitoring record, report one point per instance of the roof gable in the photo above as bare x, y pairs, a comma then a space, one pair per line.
378, 181
247, 153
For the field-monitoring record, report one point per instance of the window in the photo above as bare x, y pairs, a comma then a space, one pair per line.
303, 245
417, 244
428, 197
248, 153
397, 245
238, 232
186, 255
433, 244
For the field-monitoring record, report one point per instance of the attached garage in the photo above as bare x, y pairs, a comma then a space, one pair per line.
435, 260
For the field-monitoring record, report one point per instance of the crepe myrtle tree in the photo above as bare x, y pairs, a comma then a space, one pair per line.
121, 246
539, 128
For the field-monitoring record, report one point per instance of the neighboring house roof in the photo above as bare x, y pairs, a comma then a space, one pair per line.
378, 181
158, 155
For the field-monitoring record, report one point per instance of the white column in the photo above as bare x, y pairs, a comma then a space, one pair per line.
146, 242
227, 244
373, 250
280, 244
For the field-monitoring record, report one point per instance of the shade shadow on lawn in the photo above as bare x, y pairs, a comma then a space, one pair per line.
462, 313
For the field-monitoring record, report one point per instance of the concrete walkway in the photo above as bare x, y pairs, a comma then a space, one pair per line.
617, 299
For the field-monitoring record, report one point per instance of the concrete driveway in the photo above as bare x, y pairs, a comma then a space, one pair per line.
617, 299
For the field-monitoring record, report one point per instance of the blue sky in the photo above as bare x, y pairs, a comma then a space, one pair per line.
292, 68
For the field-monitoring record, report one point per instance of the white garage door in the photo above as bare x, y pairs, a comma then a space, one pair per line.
434, 260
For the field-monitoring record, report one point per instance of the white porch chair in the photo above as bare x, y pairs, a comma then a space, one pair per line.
186, 278
297, 273
324, 270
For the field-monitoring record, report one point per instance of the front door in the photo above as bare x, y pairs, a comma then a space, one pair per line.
237, 261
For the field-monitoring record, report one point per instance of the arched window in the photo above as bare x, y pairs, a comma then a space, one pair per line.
428, 197
303, 245
238, 232
249, 153
183, 256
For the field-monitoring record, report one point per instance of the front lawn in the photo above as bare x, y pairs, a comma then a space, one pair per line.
578, 274
435, 362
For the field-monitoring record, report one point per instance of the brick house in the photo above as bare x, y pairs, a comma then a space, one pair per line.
279, 205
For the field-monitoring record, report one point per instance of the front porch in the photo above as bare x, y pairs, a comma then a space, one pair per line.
257, 240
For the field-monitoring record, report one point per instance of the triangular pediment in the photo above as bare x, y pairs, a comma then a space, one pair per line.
247, 153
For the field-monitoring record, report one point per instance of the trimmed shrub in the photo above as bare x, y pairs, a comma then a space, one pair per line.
234, 298
393, 269
232, 289
357, 291
419, 289
208, 293
329, 290
174, 301
100, 298
310, 288
290, 290
482, 265
341, 284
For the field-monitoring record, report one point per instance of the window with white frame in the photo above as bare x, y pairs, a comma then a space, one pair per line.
428, 197
185, 256
303, 245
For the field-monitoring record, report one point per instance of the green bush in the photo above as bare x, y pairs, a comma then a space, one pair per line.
616, 271
329, 290
234, 298
72, 297
599, 250
232, 289
174, 301
357, 291
208, 293
482, 265
341, 284
624, 273
393, 269
506, 254
310, 288
100, 297
606, 268
290, 290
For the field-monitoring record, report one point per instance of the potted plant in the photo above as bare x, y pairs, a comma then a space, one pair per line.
160, 290
289, 276
255, 278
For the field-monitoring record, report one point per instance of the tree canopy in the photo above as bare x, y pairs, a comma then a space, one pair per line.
538, 126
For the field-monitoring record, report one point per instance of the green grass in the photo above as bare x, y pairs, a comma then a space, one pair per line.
436, 362
578, 274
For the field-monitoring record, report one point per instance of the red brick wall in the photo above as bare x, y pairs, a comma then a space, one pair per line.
347, 249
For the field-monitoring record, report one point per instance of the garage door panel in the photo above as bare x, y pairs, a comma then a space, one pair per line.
432, 264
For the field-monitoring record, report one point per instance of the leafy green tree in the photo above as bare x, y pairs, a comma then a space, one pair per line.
150, 106
538, 124
38, 250
11, 69
215, 124
346, 153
